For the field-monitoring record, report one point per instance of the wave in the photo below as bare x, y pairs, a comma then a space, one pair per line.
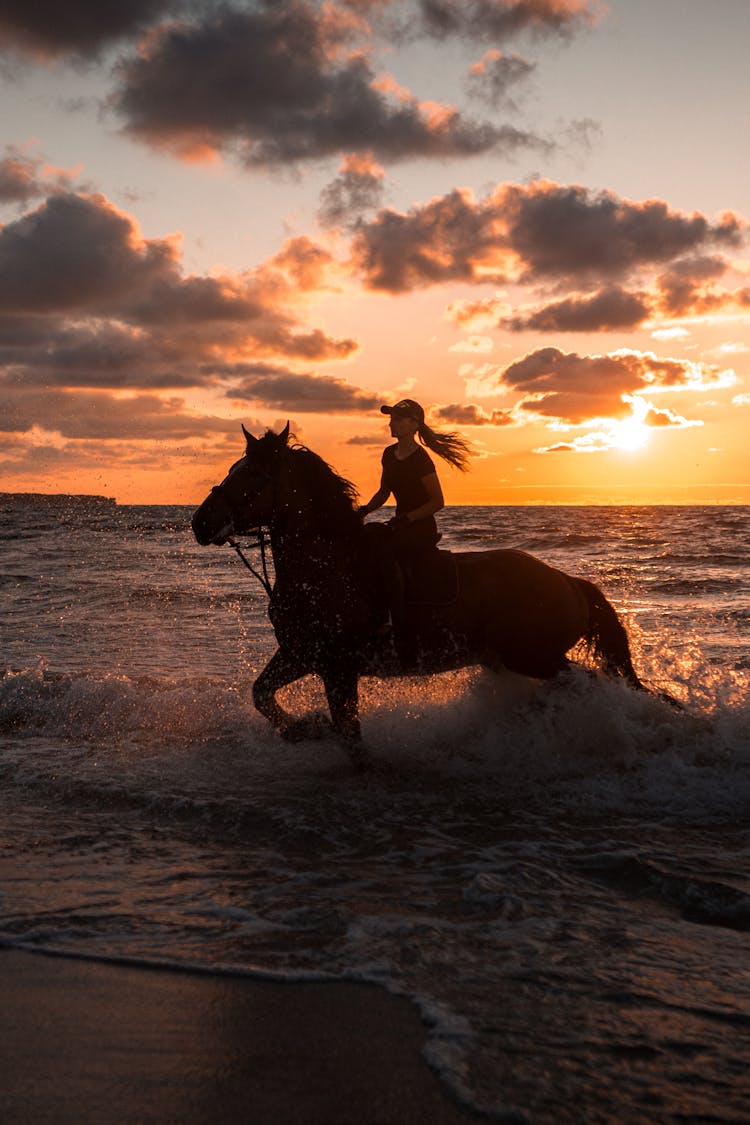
196, 746
709, 903
694, 586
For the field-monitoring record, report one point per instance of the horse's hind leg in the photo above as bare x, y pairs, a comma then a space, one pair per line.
281, 669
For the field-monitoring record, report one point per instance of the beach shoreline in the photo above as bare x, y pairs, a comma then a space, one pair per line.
86, 1041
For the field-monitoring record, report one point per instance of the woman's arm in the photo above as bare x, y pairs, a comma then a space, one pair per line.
434, 500
378, 500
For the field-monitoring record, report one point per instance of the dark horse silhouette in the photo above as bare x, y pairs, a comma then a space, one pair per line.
510, 610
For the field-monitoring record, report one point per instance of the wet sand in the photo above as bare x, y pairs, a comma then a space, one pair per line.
86, 1042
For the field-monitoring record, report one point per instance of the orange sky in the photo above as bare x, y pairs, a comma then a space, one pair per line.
528, 216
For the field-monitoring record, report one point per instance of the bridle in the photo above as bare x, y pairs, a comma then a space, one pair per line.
261, 541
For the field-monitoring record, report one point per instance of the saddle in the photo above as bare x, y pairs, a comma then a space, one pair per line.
431, 578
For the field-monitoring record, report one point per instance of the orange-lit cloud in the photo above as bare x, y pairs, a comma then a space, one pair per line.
85, 300
568, 389
541, 232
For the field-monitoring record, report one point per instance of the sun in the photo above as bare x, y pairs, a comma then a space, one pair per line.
631, 433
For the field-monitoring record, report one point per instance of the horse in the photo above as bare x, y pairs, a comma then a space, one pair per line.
509, 609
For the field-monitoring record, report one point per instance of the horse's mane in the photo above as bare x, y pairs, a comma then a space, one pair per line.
332, 496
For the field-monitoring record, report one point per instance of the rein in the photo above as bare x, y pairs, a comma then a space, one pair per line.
261, 542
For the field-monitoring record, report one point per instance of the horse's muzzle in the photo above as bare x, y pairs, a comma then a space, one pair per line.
207, 531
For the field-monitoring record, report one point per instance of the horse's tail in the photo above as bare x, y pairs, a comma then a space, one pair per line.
606, 636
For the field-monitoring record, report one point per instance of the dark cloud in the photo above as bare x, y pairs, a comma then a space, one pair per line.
609, 309
105, 416
540, 232
48, 28
685, 287
273, 85
445, 240
86, 301
359, 187
91, 355
375, 440
569, 231
466, 414
18, 178
24, 177
495, 77
576, 388
497, 20
76, 252
304, 393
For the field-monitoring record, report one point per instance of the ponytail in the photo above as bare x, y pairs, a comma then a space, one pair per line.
451, 447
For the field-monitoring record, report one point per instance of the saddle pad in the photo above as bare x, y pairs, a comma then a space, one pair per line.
432, 578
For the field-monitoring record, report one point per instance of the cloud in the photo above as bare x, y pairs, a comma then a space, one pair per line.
571, 387
47, 28
485, 311
24, 177
540, 232
74, 252
574, 389
661, 419
567, 232
492, 79
101, 415
609, 309
629, 432
475, 344
466, 414
300, 391
685, 287
368, 440
86, 300
448, 239
500, 19
275, 85
359, 186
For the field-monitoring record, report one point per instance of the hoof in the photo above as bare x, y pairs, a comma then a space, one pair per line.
314, 726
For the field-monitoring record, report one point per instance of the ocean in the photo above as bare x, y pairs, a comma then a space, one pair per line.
556, 874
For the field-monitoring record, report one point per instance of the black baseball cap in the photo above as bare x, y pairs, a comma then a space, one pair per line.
405, 408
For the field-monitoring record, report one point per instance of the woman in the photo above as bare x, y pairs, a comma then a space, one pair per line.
409, 474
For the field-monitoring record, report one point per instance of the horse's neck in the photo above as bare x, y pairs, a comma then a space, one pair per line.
303, 552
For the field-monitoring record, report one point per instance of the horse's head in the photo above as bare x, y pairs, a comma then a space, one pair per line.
244, 499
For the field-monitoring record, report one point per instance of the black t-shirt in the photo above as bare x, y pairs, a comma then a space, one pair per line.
405, 478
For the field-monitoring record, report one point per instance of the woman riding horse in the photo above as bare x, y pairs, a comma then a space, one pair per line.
511, 611
409, 474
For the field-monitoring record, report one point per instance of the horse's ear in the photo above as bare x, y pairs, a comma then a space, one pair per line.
249, 438
284, 435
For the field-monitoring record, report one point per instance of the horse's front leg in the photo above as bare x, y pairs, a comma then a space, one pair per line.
282, 669
341, 687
